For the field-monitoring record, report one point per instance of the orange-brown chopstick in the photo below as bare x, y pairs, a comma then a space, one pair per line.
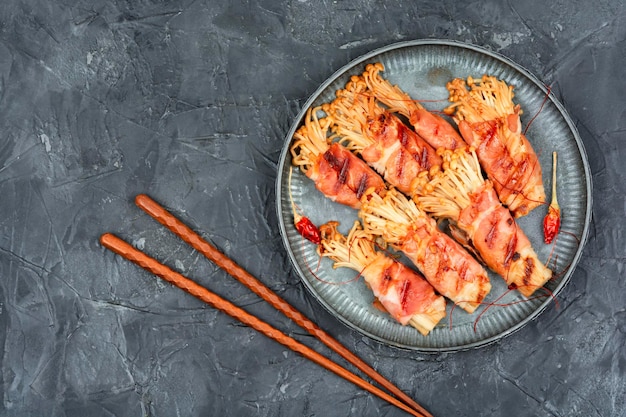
177, 227
125, 250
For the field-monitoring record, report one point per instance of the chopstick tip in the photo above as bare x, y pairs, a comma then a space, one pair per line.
109, 240
141, 199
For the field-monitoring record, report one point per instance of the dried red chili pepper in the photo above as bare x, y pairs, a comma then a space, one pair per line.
552, 221
307, 229
304, 225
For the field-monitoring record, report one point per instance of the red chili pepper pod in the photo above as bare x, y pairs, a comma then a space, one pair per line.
304, 225
308, 230
551, 224
552, 221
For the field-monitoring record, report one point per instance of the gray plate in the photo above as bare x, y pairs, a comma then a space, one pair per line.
422, 68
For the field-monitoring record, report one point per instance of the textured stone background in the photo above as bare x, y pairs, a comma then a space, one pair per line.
190, 101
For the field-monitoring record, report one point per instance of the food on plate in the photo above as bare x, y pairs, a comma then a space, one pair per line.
487, 119
460, 193
401, 291
490, 122
455, 190
337, 173
447, 266
435, 130
380, 137
431, 174
444, 263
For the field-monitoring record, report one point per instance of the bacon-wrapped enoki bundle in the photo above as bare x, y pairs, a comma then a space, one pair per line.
460, 193
490, 122
447, 266
337, 173
402, 291
381, 138
433, 128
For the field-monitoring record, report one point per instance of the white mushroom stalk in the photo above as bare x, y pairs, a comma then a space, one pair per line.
450, 190
310, 140
487, 98
391, 95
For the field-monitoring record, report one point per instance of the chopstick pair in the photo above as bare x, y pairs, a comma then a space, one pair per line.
122, 248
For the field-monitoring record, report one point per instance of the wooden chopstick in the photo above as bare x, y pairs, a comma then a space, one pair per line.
160, 214
127, 251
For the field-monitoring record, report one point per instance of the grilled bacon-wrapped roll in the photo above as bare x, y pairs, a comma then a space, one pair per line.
379, 136
447, 266
337, 173
436, 130
402, 291
490, 122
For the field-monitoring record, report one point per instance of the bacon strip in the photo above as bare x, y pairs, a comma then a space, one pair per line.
502, 243
343, 177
